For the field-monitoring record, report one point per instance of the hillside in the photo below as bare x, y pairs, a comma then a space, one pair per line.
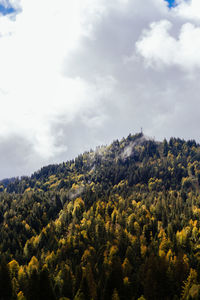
120, 222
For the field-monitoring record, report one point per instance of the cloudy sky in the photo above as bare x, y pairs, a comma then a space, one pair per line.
77, 74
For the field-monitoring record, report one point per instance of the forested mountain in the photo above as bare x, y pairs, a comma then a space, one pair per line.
121, 222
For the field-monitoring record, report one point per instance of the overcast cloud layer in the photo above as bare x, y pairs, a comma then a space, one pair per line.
76, 74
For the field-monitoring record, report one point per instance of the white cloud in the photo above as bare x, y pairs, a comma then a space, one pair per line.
188, 9
33, 90
159, 47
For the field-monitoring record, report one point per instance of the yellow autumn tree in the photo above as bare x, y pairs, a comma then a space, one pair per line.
13, 268
33, 264
20, 296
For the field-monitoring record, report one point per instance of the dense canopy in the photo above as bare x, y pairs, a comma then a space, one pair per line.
120, 222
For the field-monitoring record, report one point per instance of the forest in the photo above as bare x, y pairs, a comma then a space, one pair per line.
120, 222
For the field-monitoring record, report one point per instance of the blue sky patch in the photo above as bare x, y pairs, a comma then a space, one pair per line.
6, 10
171, 3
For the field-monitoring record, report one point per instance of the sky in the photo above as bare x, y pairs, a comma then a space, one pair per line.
77, 74
171, 3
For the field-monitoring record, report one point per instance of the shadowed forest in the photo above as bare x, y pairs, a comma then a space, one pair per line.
121, 222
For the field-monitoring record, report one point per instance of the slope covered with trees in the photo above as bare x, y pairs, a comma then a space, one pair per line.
121, 222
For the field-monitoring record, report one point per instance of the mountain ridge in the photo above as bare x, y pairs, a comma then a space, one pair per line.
128, 146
